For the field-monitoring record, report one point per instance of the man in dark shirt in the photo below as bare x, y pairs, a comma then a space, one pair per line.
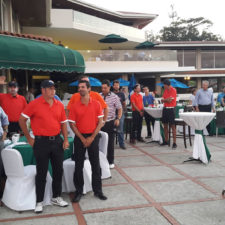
116, 90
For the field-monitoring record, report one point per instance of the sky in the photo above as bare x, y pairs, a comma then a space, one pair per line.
212, 10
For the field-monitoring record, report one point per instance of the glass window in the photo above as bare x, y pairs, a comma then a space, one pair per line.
220, 59
0, 15
213, 84
180, 58
189, 58
207, 59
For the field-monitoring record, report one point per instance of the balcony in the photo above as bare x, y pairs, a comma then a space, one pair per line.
129, 55
67, 18
131, 61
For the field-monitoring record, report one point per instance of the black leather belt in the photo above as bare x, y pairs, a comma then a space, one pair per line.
50, 138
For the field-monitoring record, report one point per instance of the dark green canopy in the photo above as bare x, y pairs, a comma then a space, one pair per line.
113, 38
29, 54
146, 44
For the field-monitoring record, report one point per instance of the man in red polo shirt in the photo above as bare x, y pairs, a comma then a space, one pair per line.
94, 95
137, 114
48, 119
13, 104
85, 119
168, 116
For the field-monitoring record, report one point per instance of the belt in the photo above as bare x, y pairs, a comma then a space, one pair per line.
110, 120
50, 138
169, 107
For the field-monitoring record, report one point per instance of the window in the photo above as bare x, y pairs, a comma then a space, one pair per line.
190, 58
220, 59
207, 59
186, 58
1, 15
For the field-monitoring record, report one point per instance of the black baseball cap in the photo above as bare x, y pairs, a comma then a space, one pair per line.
166, 82
13, 84
47, 84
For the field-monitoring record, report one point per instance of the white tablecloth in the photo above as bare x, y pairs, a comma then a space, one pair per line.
157, 114
199, 121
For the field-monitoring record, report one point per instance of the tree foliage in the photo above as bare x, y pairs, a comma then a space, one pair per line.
192, 29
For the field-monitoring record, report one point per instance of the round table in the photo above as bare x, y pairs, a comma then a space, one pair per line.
199, 121
158, 132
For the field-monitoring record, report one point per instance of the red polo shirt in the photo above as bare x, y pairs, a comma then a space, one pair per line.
45, 119
85, 116
171, 92
13, 106
137, 99
94, 95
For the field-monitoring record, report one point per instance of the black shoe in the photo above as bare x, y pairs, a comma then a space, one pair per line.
174, 146
149, 136
165, 143
77, 197
101, 196
140, 139
123, 147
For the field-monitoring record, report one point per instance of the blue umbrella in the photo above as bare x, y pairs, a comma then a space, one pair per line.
93, 82
175, 83
122, 82
132, 83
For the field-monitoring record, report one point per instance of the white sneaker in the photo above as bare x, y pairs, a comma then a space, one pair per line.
111, 166
59, 201
39, 207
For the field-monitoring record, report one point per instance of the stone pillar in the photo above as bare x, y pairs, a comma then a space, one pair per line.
199, 82
158, 89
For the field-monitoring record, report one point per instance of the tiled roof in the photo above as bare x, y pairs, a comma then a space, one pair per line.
29, 36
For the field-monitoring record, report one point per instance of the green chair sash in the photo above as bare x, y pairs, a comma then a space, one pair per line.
204, 141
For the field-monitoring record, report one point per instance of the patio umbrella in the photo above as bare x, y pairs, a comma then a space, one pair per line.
122, 82
132, 83
145, 45
93, 82
175, 83
113, 38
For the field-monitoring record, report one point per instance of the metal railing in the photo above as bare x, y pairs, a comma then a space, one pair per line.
129, 55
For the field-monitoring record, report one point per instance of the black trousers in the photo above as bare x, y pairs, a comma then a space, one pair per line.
45, 150
79, 157
149, 119
137, 125
206, 108
109, 129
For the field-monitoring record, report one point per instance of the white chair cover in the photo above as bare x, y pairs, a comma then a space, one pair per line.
104, 164
19, 193
67, 181
103, 142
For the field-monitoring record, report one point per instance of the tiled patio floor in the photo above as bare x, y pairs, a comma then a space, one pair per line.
150, 185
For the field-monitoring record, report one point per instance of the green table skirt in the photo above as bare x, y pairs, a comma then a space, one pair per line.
28, 155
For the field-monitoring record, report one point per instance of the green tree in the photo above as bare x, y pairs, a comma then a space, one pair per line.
192, 29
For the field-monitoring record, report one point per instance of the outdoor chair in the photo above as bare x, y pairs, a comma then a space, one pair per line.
220, 120
19, 193
128, 123
68, 172
180, 122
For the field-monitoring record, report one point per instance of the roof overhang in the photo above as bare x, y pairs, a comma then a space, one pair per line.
138, 20
192, 75
192, 45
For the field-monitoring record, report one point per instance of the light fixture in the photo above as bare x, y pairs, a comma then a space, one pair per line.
66, 46
187, 77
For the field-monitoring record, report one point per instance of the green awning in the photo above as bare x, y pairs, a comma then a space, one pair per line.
29, 54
